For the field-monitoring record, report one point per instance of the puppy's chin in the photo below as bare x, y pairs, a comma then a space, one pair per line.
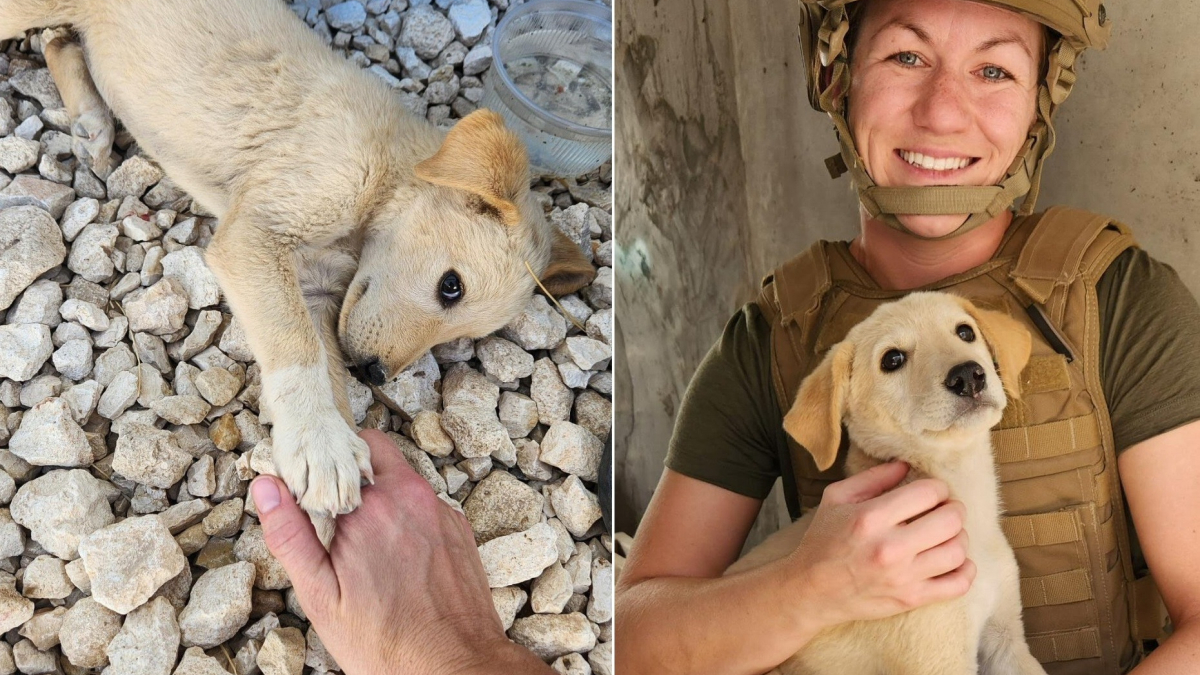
976, 415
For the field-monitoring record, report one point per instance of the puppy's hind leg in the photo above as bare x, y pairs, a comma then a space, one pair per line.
91, 122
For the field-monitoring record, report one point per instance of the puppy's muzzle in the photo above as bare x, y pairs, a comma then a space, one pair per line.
371, 372
967, 380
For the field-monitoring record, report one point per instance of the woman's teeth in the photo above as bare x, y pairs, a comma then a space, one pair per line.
934, 163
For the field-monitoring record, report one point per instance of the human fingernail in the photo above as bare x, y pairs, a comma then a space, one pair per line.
266, 495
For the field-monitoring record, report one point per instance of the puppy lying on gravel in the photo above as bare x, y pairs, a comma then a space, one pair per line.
302, 155
916, 382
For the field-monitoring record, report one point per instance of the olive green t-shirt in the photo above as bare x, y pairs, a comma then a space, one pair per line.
729, 431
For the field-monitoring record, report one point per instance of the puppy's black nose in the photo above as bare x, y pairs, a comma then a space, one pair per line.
371, 372
966, 379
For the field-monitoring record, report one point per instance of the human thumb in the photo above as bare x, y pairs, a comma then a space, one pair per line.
873, 482
290, 537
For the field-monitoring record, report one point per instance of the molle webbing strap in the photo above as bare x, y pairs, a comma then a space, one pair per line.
800, 283
1056, 589
1065, 646
1055, 250
1041, 529
1051, 439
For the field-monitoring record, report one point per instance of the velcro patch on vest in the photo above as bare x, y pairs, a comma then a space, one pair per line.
1056, 589
1041, 529
1051, 439
1045, 373
1065, 646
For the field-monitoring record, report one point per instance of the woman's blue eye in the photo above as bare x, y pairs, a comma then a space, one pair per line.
994, 73
907, 59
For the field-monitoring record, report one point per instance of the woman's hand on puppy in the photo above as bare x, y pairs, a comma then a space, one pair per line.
869, 553
402, 589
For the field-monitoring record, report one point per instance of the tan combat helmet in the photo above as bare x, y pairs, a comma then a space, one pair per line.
1079, 24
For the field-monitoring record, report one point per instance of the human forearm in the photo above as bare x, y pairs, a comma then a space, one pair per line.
741, 624
1179, 654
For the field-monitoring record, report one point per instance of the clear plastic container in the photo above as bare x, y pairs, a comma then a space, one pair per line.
551, 80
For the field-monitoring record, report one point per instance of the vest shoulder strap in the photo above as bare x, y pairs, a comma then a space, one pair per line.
795, 288
1065, 244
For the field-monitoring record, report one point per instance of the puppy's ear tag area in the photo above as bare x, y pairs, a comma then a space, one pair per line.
815, 420
481, 156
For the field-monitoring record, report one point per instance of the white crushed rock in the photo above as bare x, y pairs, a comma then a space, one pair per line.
128, 561
520, 556
87, 629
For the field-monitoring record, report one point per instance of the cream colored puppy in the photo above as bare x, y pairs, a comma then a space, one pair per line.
301, 155
917, 381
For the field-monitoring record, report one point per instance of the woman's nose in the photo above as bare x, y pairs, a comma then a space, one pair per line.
942, 105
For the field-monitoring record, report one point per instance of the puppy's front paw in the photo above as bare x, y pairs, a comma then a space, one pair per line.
321, 459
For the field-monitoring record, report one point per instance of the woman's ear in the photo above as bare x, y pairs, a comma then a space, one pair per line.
815, 420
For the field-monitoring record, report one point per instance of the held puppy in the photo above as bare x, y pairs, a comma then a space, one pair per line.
306, 159
920, 381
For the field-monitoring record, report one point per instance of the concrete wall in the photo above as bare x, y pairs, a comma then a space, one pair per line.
719, 177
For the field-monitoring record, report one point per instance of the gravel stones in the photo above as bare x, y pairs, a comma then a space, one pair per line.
426, 31
219, 605
503, 360
18, 154
150, 456
269, 572
553, 398
132, 178
23, 350
553, 635
470, 19
159, 310
518, 414
573, 449
346, 16
30, 244
415, 388
61, 507
519, 557
476, 431
87, 629
499, 505
91, 251
148, 642
38, 304
185, 409
46, 577
551, 591
195, 662
427, 431
282, 652
187, 267
575, 507
14, 609
128, 561
600, 607
464, 387
538, 326
49, 436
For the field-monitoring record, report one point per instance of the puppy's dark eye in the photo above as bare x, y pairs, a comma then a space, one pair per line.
965, 333
450, 289
892, 360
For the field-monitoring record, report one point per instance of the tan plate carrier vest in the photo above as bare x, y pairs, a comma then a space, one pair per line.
1084, 612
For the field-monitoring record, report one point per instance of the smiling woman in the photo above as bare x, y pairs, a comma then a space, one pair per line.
944, 112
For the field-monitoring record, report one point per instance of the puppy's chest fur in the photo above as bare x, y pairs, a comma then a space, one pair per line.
971, 478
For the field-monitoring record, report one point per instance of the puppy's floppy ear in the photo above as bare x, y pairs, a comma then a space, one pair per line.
1008, 341
480, 155
815, 420
567, 271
